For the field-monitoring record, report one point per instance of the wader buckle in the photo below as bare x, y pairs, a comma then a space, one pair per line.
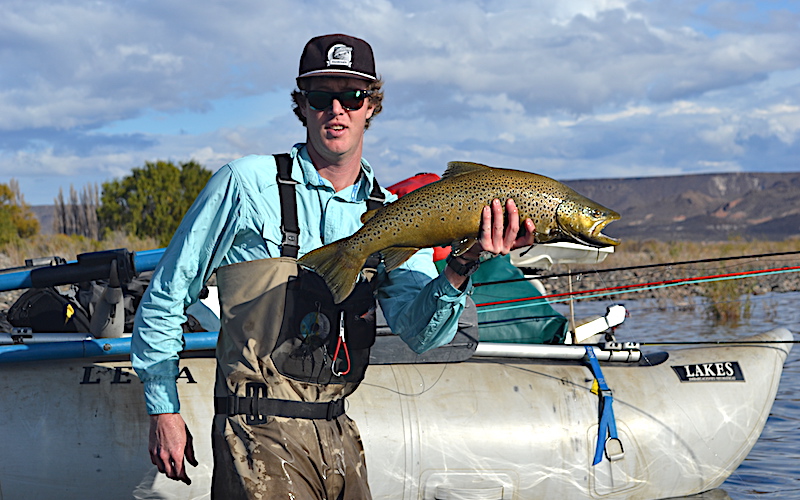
255, 391
331, 408
256, 407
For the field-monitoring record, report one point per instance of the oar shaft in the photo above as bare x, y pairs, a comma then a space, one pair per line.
68, 273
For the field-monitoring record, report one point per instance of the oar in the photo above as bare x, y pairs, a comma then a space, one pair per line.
89, 266
92, 348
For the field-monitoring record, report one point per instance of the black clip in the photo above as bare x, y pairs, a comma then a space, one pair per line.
329, 416
255, 390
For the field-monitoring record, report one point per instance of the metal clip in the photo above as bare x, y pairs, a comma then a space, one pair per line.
341, 343
614, 450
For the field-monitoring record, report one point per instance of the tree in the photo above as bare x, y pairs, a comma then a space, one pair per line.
79, 216
152, 200
16, 218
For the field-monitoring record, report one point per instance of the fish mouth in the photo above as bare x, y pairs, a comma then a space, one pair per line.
587, 229
596, 236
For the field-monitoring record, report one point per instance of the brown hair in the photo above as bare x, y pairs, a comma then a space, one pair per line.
376, 99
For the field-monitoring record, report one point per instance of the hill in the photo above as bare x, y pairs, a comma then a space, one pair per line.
45, 214
703, 207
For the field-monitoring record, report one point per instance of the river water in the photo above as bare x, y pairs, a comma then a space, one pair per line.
772, 469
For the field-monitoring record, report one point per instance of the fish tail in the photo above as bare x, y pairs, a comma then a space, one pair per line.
337, 265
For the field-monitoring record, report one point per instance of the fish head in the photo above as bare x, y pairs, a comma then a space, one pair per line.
584, 220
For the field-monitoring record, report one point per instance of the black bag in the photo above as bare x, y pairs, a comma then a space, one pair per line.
45, 310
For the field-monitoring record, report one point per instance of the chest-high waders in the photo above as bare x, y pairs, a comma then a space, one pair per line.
287, 357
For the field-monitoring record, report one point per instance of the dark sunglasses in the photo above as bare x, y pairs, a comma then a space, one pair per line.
351, 100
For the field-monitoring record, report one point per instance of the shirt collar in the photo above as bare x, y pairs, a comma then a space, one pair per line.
308, 174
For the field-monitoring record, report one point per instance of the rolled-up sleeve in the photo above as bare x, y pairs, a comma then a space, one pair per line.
421, 305
195, 251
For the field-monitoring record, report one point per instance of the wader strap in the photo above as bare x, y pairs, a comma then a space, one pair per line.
375, 201
376, 198
290, 245
607, 440
257, 408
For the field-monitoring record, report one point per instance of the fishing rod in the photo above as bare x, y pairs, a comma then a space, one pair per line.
721, 342
643, 266
638, 287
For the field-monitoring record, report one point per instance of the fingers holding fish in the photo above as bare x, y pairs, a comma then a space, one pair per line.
498, 224
512, 237
502, 235
529, 238
491, 230
497, 238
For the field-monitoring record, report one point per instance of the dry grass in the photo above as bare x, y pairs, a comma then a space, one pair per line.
635, 253
726, 302
68, 247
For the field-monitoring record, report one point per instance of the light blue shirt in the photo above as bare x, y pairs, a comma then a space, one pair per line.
237, 218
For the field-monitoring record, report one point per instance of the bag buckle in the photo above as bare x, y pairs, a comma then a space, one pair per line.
255, 391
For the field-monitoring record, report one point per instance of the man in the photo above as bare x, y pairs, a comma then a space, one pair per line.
287, 356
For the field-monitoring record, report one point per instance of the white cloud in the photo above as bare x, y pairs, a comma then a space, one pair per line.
568, 89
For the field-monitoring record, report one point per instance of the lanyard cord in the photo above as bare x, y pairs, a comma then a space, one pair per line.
341, 343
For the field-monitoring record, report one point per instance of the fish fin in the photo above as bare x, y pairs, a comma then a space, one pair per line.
455, 168
393, 257
339, 270
368, 215
462, 245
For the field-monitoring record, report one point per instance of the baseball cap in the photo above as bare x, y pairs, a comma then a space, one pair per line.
337, 55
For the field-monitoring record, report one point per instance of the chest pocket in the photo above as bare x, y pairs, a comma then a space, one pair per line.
321, 342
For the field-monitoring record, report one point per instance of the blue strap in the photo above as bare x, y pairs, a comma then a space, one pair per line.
608, 424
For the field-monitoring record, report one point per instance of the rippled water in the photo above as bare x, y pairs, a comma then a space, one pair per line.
772, 469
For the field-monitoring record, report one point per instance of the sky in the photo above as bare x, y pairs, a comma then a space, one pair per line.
571, 89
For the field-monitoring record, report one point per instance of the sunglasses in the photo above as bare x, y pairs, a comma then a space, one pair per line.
351, 100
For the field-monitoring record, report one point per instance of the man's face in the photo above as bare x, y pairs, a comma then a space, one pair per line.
336, 132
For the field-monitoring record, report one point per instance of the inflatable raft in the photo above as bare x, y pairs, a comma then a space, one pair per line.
471, 420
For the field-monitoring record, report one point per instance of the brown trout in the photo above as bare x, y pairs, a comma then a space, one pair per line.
448, 212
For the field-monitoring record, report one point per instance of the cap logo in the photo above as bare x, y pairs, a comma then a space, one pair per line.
340, 55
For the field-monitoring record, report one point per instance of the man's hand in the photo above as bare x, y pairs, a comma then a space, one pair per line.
170, 442
495, 237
